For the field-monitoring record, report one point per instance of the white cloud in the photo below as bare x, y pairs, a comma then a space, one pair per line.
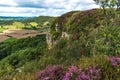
8, 2
42, 7
20, 11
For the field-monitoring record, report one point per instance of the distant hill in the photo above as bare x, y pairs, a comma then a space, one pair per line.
41, 19
5, 18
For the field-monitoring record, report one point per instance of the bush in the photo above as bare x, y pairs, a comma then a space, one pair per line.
75, 73
92, 68
51, 73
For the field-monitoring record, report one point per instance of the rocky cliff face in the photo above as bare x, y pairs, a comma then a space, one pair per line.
51, 42
73, 25
70, 25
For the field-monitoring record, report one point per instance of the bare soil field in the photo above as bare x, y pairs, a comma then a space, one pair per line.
18, 33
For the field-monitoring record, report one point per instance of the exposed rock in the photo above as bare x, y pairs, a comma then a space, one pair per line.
49, 40
57, 28
51, 43
65, 35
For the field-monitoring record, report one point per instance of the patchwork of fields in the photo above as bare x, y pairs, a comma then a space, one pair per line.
18, 33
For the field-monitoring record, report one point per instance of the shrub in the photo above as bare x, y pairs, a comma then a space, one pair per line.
75, 73
51, 73
115, 61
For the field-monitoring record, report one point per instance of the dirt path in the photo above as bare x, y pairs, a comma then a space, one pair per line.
18, 33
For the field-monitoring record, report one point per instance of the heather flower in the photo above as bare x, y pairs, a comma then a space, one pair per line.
118, 59
69, 74
73, 68
51, 73
78, 78
84, 76
115, 61
74, 73
66, 76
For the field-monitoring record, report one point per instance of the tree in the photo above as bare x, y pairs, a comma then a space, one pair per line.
118, 4
1, 26
105, 4
110, 16
109, 8
108, 3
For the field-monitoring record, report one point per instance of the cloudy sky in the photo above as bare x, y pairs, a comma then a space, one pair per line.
43, 7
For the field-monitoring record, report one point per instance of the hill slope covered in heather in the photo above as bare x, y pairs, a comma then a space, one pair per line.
85, 44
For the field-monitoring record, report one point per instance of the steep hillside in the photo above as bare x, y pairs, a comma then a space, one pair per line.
87, 28
14, 53
87, 40
76, 21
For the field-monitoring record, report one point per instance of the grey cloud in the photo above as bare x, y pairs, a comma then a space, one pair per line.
30, 3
